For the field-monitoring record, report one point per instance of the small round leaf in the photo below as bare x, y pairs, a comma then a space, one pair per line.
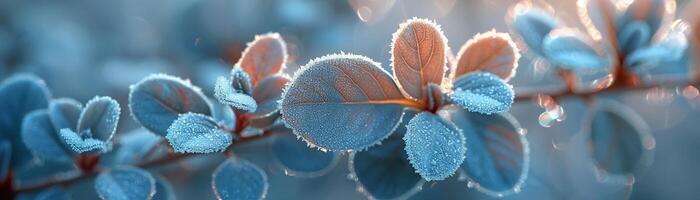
434, 146
239, 179
125, 183
197, 133
482, 92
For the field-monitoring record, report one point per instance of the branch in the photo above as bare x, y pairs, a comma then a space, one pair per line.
585, 94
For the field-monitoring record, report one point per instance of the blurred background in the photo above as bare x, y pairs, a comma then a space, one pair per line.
100, 47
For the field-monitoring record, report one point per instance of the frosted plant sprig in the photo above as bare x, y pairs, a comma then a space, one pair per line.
631, 39
348, 102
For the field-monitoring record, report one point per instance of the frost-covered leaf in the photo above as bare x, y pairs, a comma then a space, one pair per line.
383, 171
491, 52
342, 102
21, 94
418, 56
297, 158
99, 118
671, 48
52, 193
5, 157
134, 145
264, 56
599, 18
435, 147
567, 49
164, 191
42, 139
240, 81
620, 141
223, 115
483, 93
157, 100
82, 143
64, 113
226, 94
267, 94
533, 25
497, 160
197, 133
239, 179
634, 35
642, 20
125, 183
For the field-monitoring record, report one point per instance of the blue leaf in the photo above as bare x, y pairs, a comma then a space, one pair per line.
482, 92
64, 113
240, 81
620, 141
81, 144
42, 139
342, 102
434, 146
157, 100
99, 118
125, 183
497, 160
533, 25
383, 171
226, 94
20, 94
267, 93
634, 35
223, 115
197, 133
239, 179
670, 49
134, 146
297, 158
568, 50
418, 52
164, 191
5, 157
52, 193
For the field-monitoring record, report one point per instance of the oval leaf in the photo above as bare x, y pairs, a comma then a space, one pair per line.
21, 94
264, 56
498, 159
342, 102
82, 143
226, 94
670, 49
197, 133
491, 52
533, 25
620, 141
652, 13
42, 139
482, 92
99, 118
297, 158
418, 56
125, 183
267, 94
434, 146
383, 171
239, 179
157, 100
64, 113
599, 18
567, 49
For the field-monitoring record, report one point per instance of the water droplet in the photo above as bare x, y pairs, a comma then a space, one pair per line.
690, 92
522, 131
540, 67
649, 144
546, 120
364, 13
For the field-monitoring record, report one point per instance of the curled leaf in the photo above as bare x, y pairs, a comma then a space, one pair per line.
197, 133
297, 158
42, 139
125, 183
99, 118
568, 49
498, 154
383, 171
64, 113
482, 92
533, 25
157, 100
418, 56
491, 52
435, 147
82, 143
240, 81
342, 102
634, 35
226, 94
264, 56
239, 179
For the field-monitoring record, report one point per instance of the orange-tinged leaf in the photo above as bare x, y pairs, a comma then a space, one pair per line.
418, 56
491, 52
264, 56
